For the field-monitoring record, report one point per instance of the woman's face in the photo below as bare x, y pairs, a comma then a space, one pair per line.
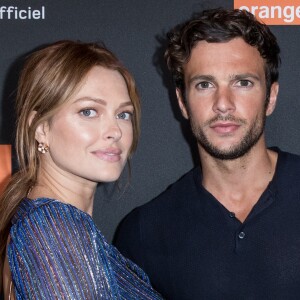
90, 136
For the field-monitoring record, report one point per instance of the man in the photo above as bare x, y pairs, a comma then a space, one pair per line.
230, 228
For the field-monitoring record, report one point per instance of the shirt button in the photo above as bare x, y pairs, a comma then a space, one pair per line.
241, 235
231, 214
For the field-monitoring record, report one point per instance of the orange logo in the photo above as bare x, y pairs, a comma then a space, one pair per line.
5, 165
272, 12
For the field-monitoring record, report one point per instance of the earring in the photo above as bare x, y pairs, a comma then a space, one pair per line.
43, 148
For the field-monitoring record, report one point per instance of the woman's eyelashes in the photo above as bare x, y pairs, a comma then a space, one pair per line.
92, 113
125, 115
88, 112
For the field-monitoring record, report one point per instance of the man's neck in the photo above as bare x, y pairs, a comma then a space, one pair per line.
238, 184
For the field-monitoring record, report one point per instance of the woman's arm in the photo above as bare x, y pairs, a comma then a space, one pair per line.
54, 254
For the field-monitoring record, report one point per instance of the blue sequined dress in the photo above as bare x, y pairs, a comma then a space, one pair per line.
57, 252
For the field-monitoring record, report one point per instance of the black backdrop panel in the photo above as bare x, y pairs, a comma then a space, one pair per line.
135, 30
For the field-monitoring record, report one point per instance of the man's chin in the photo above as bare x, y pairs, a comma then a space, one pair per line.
226, 154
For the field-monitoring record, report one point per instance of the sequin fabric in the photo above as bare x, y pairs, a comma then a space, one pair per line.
57, 252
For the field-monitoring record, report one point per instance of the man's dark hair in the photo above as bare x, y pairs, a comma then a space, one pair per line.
217, 26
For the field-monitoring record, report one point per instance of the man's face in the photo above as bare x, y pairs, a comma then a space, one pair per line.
226, 97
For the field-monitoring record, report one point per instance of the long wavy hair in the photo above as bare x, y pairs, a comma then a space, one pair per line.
49, 78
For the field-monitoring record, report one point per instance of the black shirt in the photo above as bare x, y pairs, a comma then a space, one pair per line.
192, 247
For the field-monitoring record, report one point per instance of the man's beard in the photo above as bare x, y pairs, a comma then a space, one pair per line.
235, 151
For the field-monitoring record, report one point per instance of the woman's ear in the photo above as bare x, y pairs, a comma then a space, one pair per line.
31, 117
41, 132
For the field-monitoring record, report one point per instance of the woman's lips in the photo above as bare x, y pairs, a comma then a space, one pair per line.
110, 154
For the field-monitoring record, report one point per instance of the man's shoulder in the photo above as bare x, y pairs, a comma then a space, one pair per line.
153, 218
290, 157
175, 195
289, 163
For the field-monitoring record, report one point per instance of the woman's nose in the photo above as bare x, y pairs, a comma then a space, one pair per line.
113, 130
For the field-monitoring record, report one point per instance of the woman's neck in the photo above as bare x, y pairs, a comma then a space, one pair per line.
66, 188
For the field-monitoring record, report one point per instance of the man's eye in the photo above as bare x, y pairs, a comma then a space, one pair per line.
245, 83
125, 115
204, 85
88, 112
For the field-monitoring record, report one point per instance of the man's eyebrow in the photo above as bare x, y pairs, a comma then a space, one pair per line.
244, 76
201, 77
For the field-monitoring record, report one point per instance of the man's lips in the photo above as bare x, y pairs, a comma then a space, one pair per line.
225, 127
109, 154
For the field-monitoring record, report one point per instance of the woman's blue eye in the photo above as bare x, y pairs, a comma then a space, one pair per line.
88, 112
124, 115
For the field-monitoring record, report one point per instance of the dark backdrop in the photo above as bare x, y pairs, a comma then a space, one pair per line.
134, 30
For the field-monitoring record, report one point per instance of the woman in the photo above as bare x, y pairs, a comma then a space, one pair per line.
78, 122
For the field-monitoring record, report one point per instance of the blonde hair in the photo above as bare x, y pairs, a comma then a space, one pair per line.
50, 76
